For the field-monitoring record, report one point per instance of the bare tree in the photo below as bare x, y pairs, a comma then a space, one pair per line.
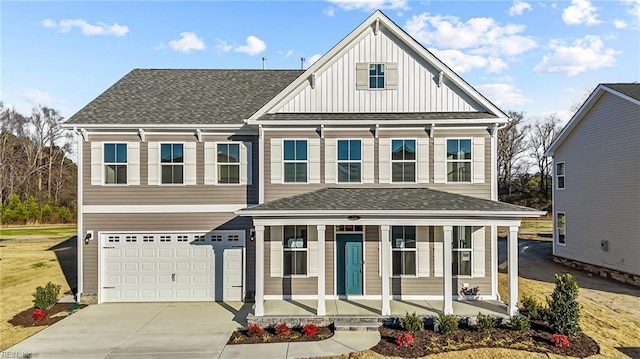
512, 145
542, 135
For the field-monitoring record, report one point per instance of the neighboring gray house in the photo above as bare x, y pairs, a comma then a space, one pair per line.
370, 176
596, 192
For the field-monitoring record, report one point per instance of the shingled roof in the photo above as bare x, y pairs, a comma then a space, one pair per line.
147, 96
630, 89
385, 199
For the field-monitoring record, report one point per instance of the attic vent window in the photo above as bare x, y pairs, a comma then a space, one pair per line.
376, 76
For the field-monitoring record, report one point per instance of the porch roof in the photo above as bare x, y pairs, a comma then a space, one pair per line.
354, 200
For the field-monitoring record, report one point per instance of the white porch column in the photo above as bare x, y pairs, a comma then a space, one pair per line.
322, 309
259, 296
385, 265
447, 270
512, 260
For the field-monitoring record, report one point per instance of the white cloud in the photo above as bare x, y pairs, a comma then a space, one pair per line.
619, 24
519, 7
461, 62
223, 46
634, 9
288, 53
580, 12
370, 5
254, 46
503, 94
584, 54
38, 97
188, 42
314, 58
330, 11
101, 28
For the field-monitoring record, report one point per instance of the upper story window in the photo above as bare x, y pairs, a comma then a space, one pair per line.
228, 162
295, 160
172, 163
462, 251
115, 163
403, 160
403, 244
561, 228
349, 160
295, 250
459, 160
376, 76
560, 175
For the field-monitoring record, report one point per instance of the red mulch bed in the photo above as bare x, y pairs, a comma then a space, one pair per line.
429, 342
25, 318
297, 335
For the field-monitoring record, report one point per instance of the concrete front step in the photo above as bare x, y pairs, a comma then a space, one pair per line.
357, 324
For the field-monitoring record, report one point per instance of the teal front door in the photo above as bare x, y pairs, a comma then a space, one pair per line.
349, 263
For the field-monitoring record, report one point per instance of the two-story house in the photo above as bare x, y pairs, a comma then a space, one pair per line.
371, 175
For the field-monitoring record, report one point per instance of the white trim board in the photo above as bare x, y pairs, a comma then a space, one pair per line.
153, 208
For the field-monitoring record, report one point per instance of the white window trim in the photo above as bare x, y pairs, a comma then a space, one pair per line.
350, 161
217, 170
336, 231
447, 161
392, 161
294, 161
384, 76
470, 250
564, 175
285, 249
104, 164
160, 162
414, 250
557, 229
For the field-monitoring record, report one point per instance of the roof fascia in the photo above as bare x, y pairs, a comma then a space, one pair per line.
478, 122
311, 213
156, 126
621, 95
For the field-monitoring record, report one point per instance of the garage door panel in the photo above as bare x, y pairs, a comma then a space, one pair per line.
165, 266
182, 253
182, 266
148, 280
148, 252
148, 266
132, 266
165, 252
131, 253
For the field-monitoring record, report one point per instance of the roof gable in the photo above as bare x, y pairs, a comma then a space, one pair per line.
629, 92
452, 94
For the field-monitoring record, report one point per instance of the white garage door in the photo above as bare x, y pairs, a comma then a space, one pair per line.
157, 267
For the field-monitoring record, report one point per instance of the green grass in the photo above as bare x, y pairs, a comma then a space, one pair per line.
57, 231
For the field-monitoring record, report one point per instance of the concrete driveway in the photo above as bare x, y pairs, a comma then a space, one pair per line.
149, 330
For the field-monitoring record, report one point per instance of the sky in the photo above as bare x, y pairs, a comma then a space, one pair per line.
540, 57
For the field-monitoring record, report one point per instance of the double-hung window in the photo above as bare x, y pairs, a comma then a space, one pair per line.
295, 160
403, 250
459, 160
403, 160
376, 76
228, 162
349, 160
560, 175
462, 251
172, 163
115, 163
295, 250
561, 228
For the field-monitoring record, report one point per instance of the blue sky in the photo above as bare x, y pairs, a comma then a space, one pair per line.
540, 57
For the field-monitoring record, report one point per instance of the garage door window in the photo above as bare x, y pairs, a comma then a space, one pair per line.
295, 250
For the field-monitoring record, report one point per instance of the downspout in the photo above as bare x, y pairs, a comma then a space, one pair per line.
80, 133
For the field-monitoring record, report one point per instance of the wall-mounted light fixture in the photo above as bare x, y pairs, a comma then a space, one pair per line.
88, 237
353, 218
252, 236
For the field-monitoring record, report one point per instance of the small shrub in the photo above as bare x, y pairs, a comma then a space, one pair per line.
560, 340
564, 310
520, 323
310, 329
237, 340
532, 308
412, 323
447, 323
255, 330
282, 329
485, 322
405, 340
266, 337
294, 336
39, 315
45, 298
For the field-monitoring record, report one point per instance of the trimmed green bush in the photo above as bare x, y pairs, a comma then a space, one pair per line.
447, 323
45, 297
532, 308
485, 322
520, 323
412, 323
564, 310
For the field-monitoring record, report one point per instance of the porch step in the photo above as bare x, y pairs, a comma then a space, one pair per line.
357, 324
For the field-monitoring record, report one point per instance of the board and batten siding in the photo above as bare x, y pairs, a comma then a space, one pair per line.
148, 222
601, 198
144, 194
417, 90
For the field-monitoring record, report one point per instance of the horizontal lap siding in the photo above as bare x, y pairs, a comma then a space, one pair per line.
329, 260
602, 186
371, 260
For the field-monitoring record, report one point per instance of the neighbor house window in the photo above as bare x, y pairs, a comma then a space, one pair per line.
295, 160
462, 251
403, 244
376, 76
459, 160
403, 160
228, 159
349, 160
560, 175
295, 250
115, 163
172, 162
561, 227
